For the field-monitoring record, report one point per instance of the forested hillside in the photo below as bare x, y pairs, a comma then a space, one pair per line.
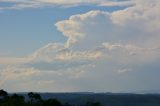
78, 99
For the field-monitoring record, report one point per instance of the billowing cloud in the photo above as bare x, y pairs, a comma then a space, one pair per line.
127, 38
57, 52
144, 15
136, 27
97, 40
80, 26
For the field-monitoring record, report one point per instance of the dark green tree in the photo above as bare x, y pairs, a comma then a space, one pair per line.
14, 100
34, 97
67, 104
3, 93
52, 102
92, 104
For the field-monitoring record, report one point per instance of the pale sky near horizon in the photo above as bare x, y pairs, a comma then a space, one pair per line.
79, 45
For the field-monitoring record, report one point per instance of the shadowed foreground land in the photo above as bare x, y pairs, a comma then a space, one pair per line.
78, 99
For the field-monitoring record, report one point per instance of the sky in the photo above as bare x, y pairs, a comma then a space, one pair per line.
79, 45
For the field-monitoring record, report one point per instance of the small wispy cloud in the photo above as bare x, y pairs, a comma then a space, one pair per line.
124, 70
21, 4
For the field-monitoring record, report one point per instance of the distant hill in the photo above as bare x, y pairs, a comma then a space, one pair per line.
149, 92
105, 99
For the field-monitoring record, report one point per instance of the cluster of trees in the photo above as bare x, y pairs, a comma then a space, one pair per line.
34, 100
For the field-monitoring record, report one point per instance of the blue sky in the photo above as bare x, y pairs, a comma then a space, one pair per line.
67, 46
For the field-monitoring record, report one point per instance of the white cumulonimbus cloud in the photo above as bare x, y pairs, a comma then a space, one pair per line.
131, 34
125, 37
130, 26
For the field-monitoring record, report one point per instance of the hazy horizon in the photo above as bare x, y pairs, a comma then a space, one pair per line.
77, 45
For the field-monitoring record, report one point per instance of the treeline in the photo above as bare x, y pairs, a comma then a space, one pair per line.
34, 100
